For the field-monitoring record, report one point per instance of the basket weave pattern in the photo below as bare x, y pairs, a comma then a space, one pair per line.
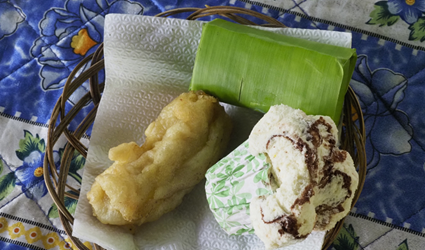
352, 139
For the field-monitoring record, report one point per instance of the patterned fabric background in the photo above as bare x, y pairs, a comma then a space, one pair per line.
42, 41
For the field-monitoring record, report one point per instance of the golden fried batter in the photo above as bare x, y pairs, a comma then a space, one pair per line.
190, 135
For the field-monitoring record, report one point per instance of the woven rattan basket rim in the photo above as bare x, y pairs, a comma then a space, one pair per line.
352, 140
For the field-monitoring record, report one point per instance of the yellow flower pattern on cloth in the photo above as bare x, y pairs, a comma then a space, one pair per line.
38, 172
50, 240
3, 224
410, 2
82, 42
16, 230
33, 235
69, 245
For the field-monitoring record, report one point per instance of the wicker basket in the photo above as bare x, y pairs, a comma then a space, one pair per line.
352, 140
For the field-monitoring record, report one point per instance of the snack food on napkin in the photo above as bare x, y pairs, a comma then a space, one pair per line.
256, 69
148, 62
288, 179
145, 182
315, 180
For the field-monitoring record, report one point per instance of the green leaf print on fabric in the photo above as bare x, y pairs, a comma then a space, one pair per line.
70, 204
387, 13
346, 239
53, 211
381, 15
7, 183
418, 30
30, 144
403, 246
77, 163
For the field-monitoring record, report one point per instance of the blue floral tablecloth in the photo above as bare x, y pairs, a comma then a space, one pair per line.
42, 41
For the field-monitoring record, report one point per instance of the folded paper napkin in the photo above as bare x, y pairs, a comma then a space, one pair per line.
148, 62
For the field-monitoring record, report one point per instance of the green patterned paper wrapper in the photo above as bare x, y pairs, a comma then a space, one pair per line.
231, 185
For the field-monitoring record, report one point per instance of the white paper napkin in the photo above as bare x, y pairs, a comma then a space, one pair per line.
148, 62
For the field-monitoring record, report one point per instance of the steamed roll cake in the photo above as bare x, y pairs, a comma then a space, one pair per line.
314, 181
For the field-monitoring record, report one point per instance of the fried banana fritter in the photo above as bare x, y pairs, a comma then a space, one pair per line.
190, 135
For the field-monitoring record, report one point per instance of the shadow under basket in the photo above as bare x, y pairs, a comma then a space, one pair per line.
352, 137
